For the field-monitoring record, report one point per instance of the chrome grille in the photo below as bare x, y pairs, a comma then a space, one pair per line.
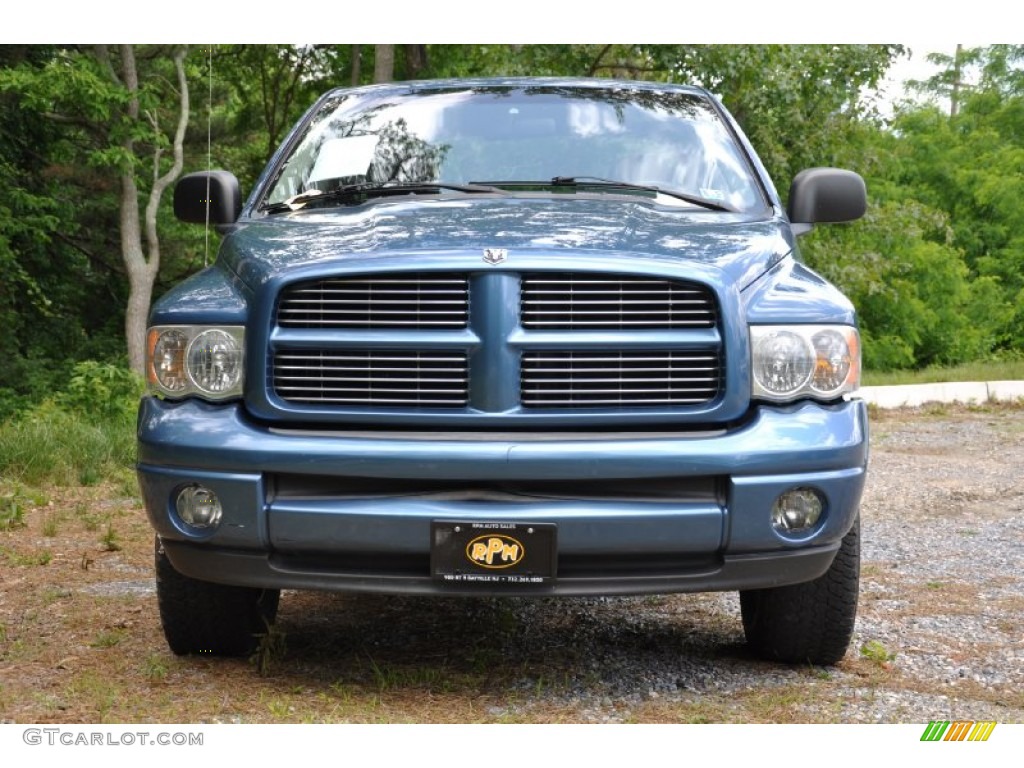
561, 379
372, 377
584, 301
407, 300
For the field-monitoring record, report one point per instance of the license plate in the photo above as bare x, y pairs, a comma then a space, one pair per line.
493, 552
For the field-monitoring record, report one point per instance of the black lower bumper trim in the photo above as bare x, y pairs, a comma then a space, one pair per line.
731, 572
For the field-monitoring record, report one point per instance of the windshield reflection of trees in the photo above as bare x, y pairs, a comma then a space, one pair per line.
403, 157
400, 156
482, 139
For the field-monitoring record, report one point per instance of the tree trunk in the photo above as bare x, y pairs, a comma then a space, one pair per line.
383, 63
357, 64
415, 60
954, 93
142, 261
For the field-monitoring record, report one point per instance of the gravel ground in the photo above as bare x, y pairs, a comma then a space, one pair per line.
940, 630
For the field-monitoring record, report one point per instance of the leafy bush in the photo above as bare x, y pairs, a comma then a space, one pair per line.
102, 391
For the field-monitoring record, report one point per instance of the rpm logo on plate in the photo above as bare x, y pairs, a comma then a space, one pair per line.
495, 551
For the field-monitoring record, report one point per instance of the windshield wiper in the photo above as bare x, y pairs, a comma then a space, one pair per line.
584, 182
353, 194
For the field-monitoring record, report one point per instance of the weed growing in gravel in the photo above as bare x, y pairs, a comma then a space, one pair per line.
341, 691
11, 515
90, 521
109, 539
17, 559
270, 648
936, 409
94, 694
154, 668
874, 651
108, 638
12, 509
52, 594
279, 710
51, 525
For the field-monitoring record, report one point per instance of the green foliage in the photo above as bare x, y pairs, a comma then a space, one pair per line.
83, 434
12, 512
936, 270
61, 297
910, 286
102, 392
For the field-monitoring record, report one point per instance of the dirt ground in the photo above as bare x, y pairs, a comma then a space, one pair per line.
940, 631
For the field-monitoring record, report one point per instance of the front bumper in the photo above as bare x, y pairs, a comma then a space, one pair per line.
314, 509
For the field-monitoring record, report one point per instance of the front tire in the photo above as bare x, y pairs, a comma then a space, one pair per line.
200, 617
810, 622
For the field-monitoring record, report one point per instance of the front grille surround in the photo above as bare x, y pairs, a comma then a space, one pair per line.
501, 362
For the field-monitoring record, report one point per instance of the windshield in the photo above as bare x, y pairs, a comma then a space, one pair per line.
672, 140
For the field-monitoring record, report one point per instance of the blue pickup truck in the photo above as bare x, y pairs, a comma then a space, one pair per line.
530, 337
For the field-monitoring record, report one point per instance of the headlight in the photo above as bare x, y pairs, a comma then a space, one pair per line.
820, 361
196, 360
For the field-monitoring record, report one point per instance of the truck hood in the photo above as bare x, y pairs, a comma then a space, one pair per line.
741, 245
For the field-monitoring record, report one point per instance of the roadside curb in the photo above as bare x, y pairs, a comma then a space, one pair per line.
966, 392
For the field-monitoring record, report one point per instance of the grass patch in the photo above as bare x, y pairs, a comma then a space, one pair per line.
108, 638
90, 520
19, 559
271, 648
52, 445
110, 541
155, 668
1003, 370
83, 435
51, 525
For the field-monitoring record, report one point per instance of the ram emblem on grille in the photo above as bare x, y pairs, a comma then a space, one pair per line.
495, 255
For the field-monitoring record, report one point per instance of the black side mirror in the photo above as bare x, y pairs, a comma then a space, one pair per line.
826, 195
220, 188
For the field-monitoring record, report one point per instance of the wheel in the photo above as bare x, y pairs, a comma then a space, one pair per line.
207, 618
810, 622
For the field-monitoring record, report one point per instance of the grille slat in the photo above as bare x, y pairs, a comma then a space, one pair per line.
392, 378
417, 300
599, 379
564, 301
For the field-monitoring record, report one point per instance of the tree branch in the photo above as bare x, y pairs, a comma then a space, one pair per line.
596, 63
103, 57
161, 183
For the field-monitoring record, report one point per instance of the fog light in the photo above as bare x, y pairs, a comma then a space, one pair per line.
797, 511
198, 507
